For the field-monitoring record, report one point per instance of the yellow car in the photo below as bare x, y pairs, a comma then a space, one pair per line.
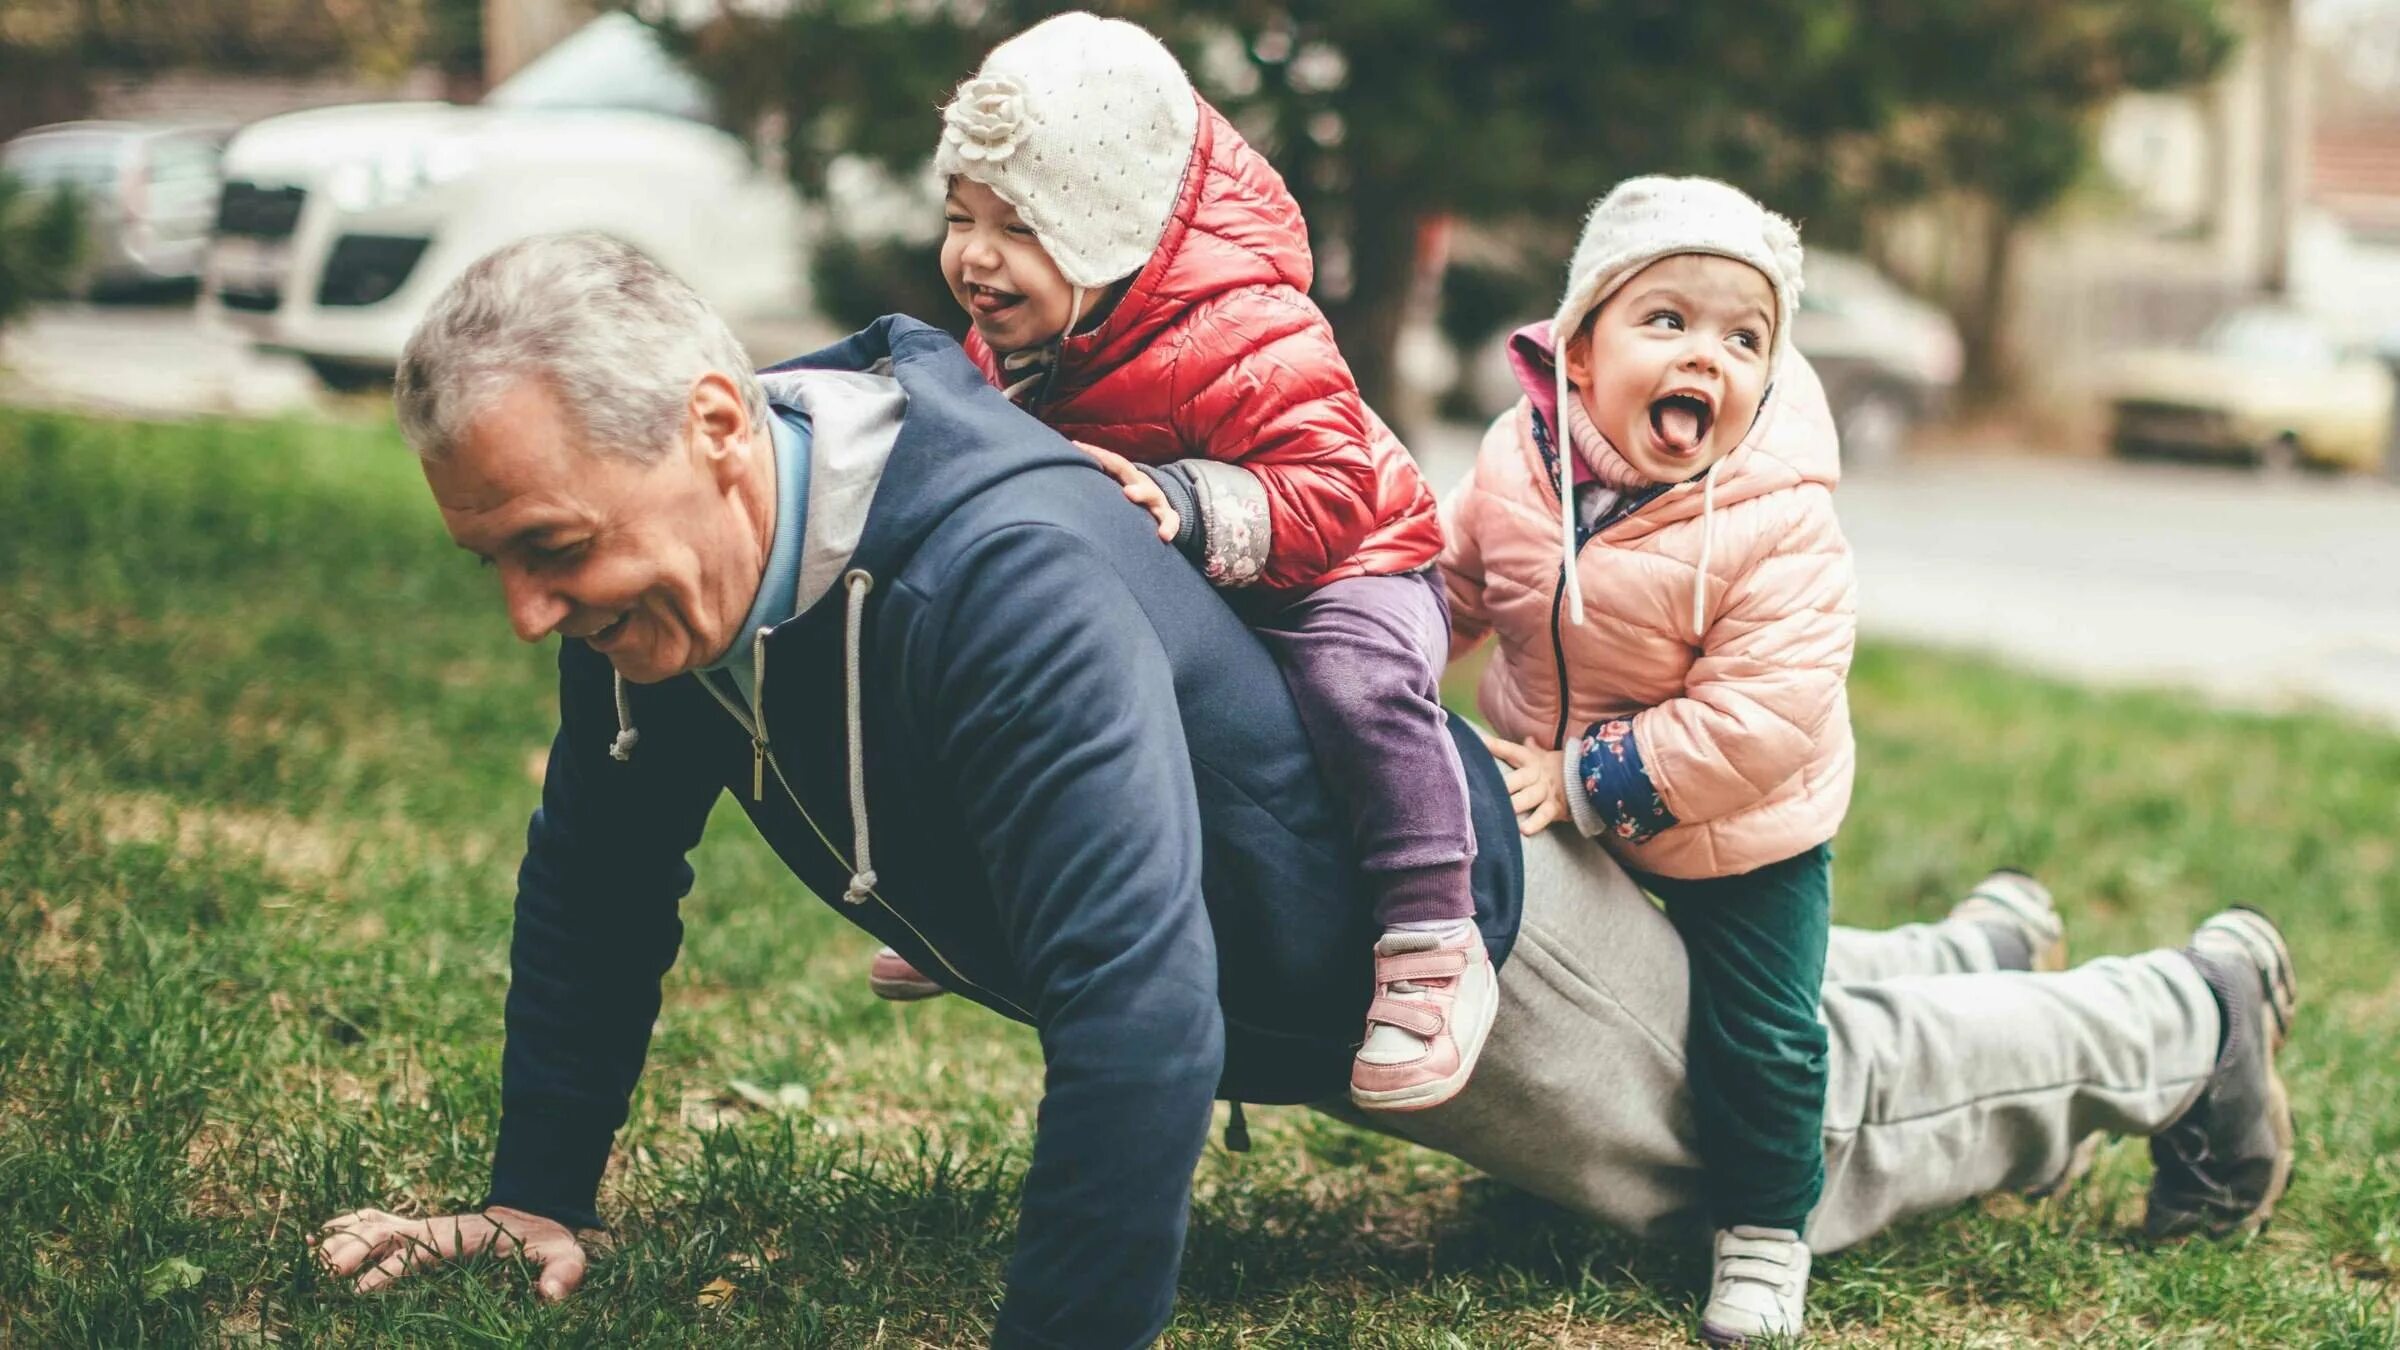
2265, 385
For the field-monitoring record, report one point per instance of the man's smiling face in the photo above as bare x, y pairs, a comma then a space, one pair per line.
654, 565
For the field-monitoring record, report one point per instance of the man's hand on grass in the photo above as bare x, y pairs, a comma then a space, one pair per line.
1536, 789
378, 1248
1139, 489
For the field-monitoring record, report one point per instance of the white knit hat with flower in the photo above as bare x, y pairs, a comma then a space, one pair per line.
1640, 221
1085, 126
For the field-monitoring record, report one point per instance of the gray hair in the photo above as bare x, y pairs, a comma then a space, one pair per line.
617, 338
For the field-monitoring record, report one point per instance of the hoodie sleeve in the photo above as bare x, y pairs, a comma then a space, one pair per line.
1259, 383
596, 930
1767, 687
1053, 707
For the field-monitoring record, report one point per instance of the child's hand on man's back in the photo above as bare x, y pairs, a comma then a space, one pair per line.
1536, 789
1138, 489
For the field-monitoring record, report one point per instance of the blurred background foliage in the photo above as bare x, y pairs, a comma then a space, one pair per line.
1392, 120
1388, 115
41, 241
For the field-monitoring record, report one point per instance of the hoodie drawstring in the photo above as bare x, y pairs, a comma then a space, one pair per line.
1566, 513
1708, 541
621, 749
858, 582
862, 880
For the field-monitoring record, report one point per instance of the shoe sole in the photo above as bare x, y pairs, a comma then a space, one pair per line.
1426, 1096
1712, 1334
905, 991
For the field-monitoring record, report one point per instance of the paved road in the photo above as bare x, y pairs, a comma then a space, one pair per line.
147, 360
2257, 593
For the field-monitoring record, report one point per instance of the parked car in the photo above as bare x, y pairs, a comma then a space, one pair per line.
339, 226
148, 193
1888, 359
2266, 384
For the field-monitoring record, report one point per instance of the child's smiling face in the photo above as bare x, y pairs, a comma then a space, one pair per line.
1673, 367
999, 273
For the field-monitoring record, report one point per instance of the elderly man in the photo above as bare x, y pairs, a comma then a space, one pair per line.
969, 698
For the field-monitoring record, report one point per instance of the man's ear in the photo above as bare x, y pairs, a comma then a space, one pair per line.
720, 426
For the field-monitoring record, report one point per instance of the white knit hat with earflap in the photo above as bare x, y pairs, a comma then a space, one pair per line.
1640, 221
1085, 126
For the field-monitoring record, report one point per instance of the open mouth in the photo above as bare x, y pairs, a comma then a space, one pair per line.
1681, 422
609, 634
989, 302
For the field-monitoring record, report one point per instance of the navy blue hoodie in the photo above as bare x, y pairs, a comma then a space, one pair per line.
1093, 810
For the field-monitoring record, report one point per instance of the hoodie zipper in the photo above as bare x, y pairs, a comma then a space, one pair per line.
1558, 650
762, 758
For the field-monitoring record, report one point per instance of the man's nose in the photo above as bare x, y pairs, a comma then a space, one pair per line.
533, 610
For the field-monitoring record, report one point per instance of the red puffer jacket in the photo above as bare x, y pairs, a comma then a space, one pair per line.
1215, 351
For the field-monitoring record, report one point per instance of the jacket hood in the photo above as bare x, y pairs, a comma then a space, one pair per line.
1235, 225
1789, 444
945, 453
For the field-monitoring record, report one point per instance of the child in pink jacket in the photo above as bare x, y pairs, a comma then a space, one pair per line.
1649, 535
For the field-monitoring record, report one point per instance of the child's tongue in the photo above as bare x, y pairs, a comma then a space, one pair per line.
1678, 425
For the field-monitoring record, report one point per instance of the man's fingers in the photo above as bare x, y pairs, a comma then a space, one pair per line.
358, 1221
400, 1255
562, 1269
343, 1253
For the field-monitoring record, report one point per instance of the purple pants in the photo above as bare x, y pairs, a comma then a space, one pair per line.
1364, 660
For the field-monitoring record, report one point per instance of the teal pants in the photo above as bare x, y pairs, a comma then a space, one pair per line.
1756, 1057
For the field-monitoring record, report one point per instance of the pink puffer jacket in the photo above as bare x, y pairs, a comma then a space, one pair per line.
1745, 733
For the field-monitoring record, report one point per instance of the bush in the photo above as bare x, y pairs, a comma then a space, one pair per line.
41, 241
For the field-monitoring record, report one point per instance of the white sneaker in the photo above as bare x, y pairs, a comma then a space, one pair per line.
1760, 1287
1435, 997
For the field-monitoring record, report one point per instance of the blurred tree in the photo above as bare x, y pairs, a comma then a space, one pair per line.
41, 240
1384, 113
50, 49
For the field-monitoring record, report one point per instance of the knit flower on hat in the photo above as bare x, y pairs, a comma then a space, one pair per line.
986, 120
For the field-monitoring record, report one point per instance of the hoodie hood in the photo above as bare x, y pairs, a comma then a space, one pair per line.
943, 444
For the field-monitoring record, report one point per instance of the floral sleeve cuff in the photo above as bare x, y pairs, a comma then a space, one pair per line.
1236, 536
1617, 795
1588, 820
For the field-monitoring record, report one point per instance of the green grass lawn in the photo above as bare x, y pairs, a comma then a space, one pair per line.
266, 754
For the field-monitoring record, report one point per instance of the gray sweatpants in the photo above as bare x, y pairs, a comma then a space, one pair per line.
1948, 1079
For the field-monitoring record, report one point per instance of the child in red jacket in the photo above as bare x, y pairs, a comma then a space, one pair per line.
1138, 276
